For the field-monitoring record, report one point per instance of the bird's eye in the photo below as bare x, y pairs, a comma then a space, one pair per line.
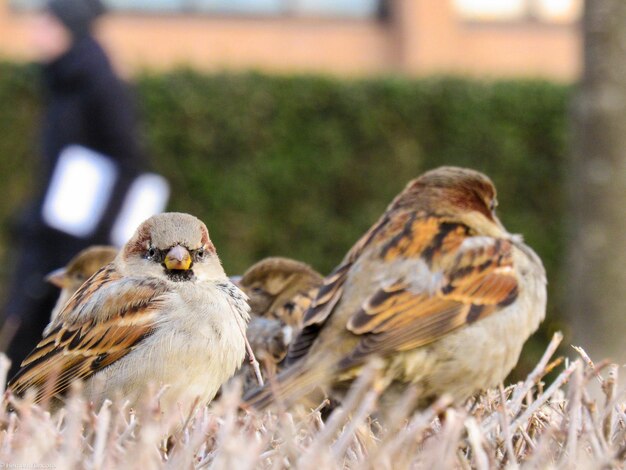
258, 290
493, 205
151, 253
199, 255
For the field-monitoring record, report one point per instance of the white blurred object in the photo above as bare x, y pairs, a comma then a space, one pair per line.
79, 191
558, 11
550, 11
148, 195
491, 9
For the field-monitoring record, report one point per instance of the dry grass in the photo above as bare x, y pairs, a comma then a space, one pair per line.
521, 426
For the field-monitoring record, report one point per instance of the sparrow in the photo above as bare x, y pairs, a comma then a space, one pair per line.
279, 291
80, 268
162, 313
280, 288
437, 293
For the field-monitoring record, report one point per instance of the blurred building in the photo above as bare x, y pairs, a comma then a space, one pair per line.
493, 38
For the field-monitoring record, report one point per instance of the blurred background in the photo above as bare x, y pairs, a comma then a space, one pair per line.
288, 126
498, 38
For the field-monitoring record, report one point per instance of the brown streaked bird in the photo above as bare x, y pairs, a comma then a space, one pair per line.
279, 291
80, 268
280, 288
163, 313
437, 289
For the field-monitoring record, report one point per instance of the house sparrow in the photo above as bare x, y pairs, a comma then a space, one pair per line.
280, 288
437, 290
80, 268
279, 291
163, 312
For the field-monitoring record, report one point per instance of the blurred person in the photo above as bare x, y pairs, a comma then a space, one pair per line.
89, 160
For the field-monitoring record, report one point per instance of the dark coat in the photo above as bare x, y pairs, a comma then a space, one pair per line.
89, 106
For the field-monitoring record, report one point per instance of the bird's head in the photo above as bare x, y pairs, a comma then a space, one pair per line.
173, 246
273, 281
81, 267
454, 192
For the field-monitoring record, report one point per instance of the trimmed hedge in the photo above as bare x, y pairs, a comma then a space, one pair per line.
302, 166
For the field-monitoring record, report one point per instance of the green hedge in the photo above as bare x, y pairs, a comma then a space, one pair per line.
301, 166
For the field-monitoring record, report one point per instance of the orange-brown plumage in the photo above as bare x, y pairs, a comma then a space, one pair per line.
437, 288
280, 290
162, 312
80, 268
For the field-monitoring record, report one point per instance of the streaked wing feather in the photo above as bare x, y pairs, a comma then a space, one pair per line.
329, 295
478, 280
292, 312
82, 343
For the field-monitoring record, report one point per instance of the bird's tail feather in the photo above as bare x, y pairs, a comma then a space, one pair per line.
290, 386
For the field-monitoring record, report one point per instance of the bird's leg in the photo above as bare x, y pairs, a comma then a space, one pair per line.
253, 362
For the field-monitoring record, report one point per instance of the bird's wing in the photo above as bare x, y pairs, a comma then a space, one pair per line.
104, 320
328, 295
291, 312
477, 278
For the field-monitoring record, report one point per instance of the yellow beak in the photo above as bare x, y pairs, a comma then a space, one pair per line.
178, 258
57, 278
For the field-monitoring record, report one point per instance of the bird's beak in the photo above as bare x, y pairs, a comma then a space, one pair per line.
178, 258
57, 278
498, 223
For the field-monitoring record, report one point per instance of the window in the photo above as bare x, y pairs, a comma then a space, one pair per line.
337, 8
549, 11
26, 4
351, 8
221, 6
